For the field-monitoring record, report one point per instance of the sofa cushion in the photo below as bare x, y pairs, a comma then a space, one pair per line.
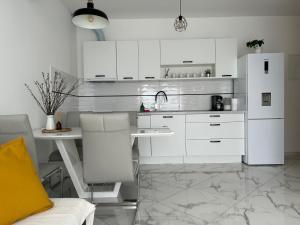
21, 191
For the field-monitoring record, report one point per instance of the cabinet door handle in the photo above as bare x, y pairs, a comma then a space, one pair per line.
187, 61
167, 117
101, 75
149, 77
216, 141
226, 75
127, 78
266, 66
214, 116
164, 126
215, 124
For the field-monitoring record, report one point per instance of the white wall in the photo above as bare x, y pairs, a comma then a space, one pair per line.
34, 34
281, 34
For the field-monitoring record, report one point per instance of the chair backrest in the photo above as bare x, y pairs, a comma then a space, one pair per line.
107, 151
72, 119
13, 126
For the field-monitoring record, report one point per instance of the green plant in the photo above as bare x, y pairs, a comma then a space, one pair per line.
255, 43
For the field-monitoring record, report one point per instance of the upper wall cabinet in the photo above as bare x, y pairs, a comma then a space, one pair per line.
127, 60
226, 58
99, 58
149, 59
193, 51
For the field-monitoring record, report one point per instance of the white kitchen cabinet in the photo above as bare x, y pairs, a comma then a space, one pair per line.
189, 51
144, 143
173, 145
127, 60
226, 58
149, 59
215, 147
214, 118
215, 135
215, 130
99, 60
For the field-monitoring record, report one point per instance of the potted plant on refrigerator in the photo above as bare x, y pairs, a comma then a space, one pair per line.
51, 94
256, 44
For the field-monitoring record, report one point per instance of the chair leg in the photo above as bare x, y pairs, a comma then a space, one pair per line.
61, 182
48, 177
138, 199
92, 193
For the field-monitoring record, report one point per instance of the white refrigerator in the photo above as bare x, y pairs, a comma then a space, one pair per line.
260, 88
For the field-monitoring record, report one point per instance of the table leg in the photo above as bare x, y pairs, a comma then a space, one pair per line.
69, 154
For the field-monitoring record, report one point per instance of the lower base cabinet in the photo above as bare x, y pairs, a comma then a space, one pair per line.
145, 142
198, 138
173, 145
215, 147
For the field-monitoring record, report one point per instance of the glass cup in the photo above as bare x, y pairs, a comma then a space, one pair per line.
191, 75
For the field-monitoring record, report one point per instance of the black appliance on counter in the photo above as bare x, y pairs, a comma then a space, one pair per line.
217, 103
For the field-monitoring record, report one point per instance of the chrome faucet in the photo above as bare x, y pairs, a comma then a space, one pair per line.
157, 105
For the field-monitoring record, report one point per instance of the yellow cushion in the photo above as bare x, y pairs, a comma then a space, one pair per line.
21, 192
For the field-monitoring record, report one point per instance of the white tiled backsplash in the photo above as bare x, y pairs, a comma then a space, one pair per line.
197, 94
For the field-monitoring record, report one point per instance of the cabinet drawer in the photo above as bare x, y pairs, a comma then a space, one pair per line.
160, 121
214, 130
214, 117
215, 147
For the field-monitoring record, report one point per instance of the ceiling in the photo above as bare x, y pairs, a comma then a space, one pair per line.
190, 8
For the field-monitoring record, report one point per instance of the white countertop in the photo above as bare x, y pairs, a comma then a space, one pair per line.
77, 134
188, 112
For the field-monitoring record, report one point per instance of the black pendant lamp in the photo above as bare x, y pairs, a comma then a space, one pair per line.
90, 18
180, 23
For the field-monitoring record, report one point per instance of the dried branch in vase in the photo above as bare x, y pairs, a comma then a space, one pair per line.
52, 92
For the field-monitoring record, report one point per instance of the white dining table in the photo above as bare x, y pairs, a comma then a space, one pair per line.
65, 142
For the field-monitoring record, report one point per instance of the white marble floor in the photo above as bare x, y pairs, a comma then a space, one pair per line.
214, 194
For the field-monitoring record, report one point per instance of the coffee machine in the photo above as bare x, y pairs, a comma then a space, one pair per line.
217, 103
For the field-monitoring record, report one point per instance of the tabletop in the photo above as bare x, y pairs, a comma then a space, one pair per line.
77, 134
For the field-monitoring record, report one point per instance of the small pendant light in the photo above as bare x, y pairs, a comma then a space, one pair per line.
180, 23
90, 18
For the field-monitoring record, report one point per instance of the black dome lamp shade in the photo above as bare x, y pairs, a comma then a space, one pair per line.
90, 18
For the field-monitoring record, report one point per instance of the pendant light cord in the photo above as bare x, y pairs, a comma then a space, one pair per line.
180, 8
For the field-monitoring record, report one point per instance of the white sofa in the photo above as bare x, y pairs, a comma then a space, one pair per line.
66, 211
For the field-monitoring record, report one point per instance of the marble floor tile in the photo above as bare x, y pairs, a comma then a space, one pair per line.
114, 216
198, 203
213, 194
152, 189
268, 205
157, 213
181, 180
